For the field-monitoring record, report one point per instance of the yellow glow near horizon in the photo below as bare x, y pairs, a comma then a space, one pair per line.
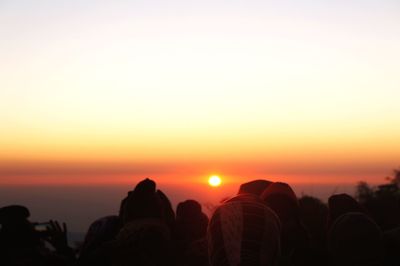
214, 181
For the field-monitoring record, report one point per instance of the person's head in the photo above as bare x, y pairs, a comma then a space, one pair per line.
255, 187
142, 202
313, 211
281, 198
100, 231
340, 204
188, 209
13, 213
354, 239
16, 230
243, 231
191, 222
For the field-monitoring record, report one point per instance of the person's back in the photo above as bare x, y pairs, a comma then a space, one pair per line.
340, 204
244, 231
143, 242
355, 240
190, 233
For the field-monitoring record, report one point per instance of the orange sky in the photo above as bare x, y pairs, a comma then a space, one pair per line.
101, 92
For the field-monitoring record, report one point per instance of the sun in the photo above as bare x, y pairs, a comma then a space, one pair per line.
214, 181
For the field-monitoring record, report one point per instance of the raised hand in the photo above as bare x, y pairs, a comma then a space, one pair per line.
57, 235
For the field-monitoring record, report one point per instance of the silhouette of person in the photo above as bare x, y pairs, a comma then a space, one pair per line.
21, 244
190, 233
355, 239
244, 231
95, 249
145, 237
340, 204
283, 201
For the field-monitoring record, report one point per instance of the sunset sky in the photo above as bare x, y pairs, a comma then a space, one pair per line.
306, 90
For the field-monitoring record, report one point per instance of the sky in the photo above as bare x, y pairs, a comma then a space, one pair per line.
306, 90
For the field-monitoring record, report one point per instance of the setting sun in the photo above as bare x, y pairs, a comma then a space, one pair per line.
214, 181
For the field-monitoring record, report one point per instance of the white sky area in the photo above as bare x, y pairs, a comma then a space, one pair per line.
116, 70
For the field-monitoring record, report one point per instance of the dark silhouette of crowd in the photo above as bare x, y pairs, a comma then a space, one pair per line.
264, 224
